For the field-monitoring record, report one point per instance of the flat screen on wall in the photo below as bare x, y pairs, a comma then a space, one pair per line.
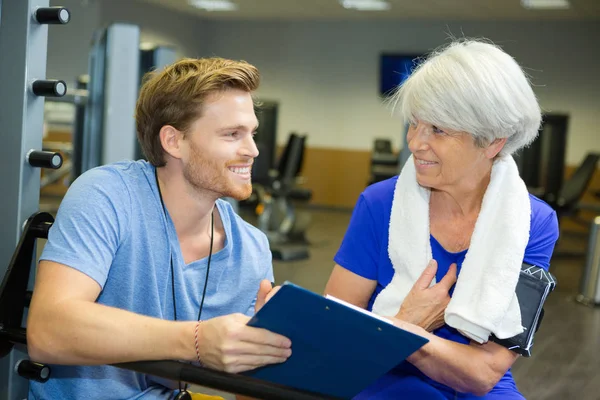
394, 69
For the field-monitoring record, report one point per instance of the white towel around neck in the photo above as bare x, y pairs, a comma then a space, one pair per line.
484, 299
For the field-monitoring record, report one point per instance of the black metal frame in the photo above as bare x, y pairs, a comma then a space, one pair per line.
232, 383
14, 296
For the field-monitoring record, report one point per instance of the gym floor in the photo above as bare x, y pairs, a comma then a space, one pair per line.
565, 355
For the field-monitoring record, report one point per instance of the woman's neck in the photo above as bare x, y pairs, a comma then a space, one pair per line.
461, 200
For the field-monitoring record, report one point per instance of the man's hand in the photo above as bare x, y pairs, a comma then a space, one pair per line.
424, 306
265, 292
228, 344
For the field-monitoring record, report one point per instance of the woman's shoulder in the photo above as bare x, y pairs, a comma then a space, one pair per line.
543, 233
381, 192
541, 212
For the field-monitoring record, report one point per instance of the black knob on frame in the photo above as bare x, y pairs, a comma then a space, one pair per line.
44, 159
52, 15
49, 88
33, 371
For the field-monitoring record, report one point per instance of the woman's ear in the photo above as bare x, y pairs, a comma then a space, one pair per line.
170, 139
494, 148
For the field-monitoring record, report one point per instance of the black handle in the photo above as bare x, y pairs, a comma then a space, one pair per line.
33, 371
44, 159
49, 88
52, 15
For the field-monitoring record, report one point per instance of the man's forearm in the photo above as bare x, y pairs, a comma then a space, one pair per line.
80, 332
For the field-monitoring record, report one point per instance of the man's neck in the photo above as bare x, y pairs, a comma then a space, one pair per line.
189, 208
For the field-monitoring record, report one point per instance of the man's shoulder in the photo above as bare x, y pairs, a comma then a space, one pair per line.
110, 187
116, 180
114, 174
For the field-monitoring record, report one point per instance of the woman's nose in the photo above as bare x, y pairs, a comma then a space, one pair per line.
417, 137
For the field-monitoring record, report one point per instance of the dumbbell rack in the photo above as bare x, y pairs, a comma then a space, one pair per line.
23, 86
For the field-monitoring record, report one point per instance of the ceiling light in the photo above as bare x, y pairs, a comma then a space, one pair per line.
214, 5
366, 5
545, 4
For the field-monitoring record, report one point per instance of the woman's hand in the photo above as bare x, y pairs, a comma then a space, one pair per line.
424, 306
265, 292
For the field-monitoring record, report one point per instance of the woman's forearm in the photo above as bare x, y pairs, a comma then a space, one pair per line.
455, 365
470, 368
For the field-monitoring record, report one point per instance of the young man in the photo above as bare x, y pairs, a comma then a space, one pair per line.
142, 251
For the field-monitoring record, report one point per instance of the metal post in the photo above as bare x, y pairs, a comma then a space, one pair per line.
405, 151
23, 47
78, 129
109, 128
590, 280
121, 92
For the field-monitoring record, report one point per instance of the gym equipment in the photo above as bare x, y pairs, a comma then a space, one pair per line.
589, 293
542, 164
404, 151
566, 201
384, 163
109, 129
23, 45
266, 113
283, 224
265, 139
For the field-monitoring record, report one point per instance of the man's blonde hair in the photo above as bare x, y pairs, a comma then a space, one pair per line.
175, 95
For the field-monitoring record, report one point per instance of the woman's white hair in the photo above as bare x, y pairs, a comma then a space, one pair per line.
475, 87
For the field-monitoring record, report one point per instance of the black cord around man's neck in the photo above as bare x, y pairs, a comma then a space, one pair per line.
183, 393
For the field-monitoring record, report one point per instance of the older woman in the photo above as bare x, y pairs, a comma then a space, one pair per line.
441, 246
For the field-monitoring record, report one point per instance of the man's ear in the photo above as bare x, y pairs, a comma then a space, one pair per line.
494, 148
170, 139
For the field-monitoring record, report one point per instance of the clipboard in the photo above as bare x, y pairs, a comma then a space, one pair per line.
337, 350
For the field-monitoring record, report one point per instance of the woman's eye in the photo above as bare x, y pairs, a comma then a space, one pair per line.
435, 129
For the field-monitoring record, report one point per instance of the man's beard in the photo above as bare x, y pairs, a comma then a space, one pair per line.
205, 174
